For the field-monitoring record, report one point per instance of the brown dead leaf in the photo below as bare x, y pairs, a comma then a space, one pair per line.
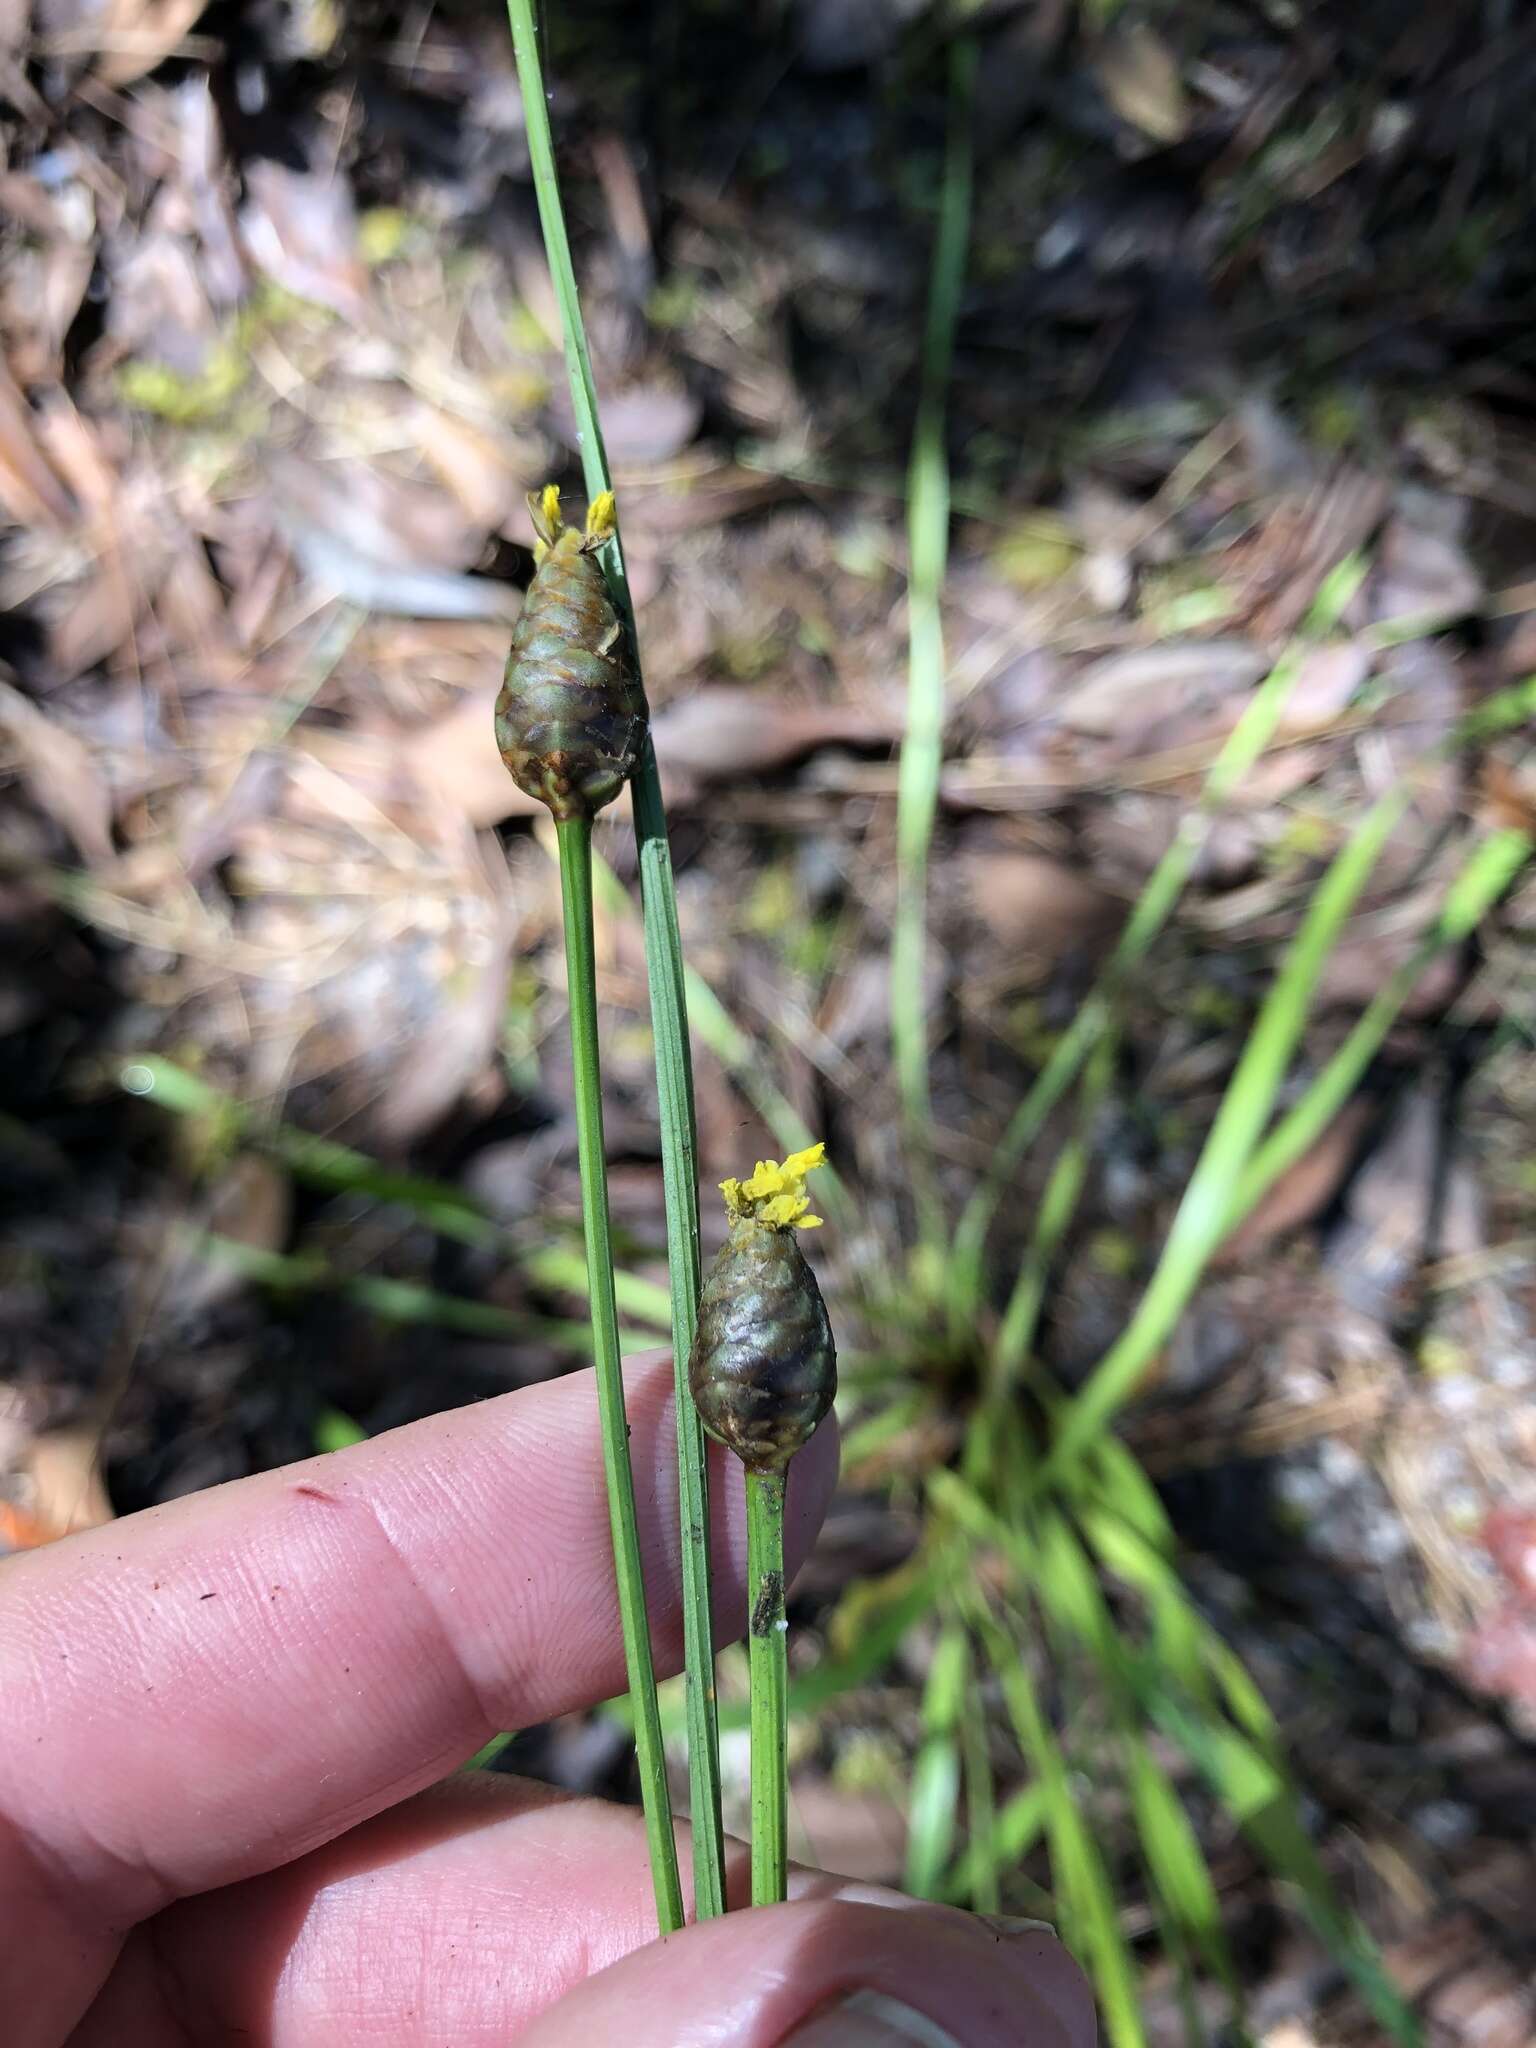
60, 773
1134, 695
1037, 909
649, 422
29, 487
853, 1834
1303, 1191
724, 732
399, 522
458, 757
473, 465
464, 1041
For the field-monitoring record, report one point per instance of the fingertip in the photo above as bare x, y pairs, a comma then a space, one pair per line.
782, 1974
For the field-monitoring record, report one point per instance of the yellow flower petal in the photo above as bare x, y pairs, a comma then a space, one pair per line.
774, 1194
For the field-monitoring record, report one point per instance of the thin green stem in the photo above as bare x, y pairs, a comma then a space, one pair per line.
680, 1181
575, 841
922, 747
669, 1023
768, 1676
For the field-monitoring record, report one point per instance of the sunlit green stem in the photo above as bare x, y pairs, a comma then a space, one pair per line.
669, 1019
768, 1670
575, 841
922, 746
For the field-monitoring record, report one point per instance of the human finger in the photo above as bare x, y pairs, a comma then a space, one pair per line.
212, 1688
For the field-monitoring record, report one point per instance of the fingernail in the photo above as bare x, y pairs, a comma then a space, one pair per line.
857, 1894
869, 2019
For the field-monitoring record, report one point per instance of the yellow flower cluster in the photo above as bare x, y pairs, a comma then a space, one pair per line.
775, 1194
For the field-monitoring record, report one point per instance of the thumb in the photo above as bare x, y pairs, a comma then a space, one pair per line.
833, 1973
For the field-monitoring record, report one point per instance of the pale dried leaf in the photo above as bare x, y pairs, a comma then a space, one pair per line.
300, 228
473, 465
649, 422
30, 491
1421, 572
137, 35
60, 773
338, 570
724, 732
457, 756
1035, 908
400, 522
1130, 695
1140, 78
66, 1489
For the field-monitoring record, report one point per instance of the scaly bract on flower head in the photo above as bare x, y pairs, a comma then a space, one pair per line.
571, 718
763, 1371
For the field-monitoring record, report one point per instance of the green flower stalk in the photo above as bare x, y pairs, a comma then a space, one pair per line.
570, 721
763, 1373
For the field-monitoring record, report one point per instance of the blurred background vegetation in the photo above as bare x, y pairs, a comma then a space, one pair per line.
1184, 1257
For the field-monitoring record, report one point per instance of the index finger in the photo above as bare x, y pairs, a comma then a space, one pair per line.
206, 1690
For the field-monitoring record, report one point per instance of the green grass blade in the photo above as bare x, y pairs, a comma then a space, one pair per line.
321, 1162
1019, 1824
933, 1806
1201, 1221
1180, 1876
983, 1888
1243, 746
1488, 871
1265, 1806
575, 841
922, 747
642, 1299
674, 1077
1053, 1219
1089, 1922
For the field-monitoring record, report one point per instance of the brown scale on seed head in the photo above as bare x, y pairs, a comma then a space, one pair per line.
763, 1370
571, 717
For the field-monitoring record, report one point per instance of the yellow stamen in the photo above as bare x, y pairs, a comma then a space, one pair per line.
600, 516
774, 1194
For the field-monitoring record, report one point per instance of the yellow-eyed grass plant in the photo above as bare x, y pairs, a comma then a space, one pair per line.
669, 1019
570, 721
763, 1375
